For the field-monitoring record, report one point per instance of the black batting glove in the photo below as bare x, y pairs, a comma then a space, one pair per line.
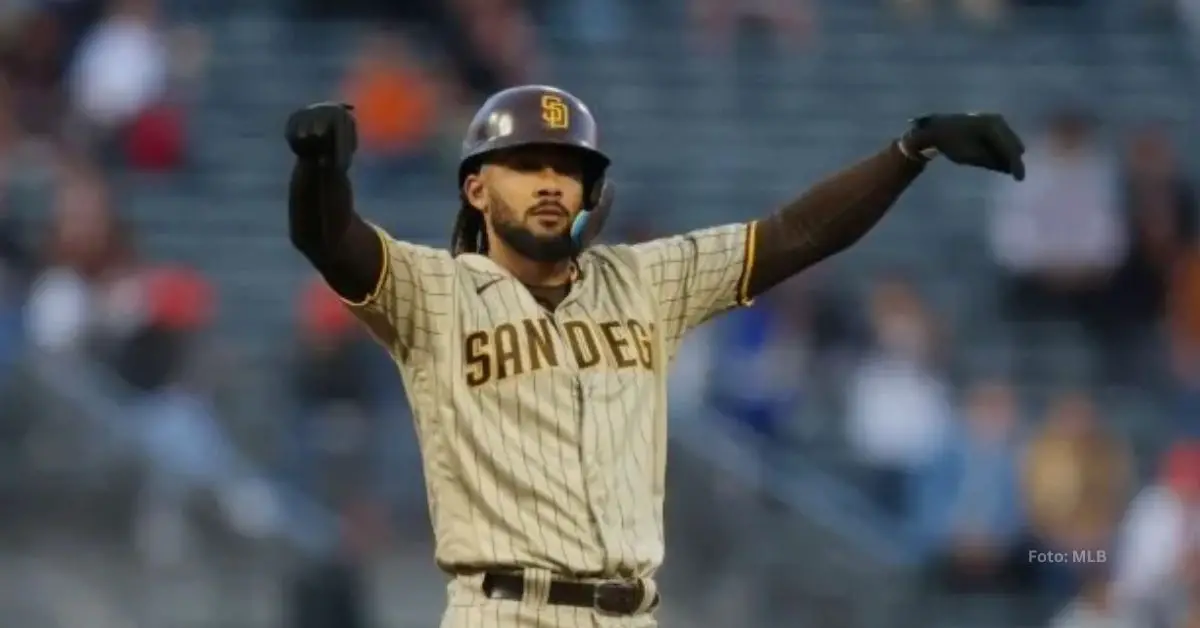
981, 140
324, 134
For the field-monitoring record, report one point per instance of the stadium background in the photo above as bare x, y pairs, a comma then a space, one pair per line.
193, 434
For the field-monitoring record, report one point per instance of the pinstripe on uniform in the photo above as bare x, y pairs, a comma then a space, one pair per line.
543, 434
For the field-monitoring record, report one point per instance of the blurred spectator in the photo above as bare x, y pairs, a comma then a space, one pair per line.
1181, 250
396, 104
776, 356
335, 433
176, 304
1183, 327
28, 165
758, 380
1076, 480
335, 442
1059, 236
155, 140
84, 298
760, 376
122, 67
33, 63
899, 406
1158, 537
838, 333
969, 514
719, 22
1161, 206
176, 419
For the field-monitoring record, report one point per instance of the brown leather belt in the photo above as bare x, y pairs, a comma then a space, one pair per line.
610, 598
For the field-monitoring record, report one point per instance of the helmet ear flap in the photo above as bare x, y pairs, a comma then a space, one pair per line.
588, 223
602, 196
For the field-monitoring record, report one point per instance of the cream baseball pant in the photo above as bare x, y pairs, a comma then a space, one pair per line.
468, 607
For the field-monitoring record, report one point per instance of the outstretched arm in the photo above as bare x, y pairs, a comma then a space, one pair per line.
839, 210
828, 217
325, 228
382, 280
697, 275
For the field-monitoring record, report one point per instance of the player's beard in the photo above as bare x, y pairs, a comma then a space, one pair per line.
518, 237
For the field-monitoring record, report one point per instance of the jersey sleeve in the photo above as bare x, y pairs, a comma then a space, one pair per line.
699, 274
413, 289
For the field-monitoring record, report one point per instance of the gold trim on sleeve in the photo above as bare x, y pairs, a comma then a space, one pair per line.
384, 269
743, 289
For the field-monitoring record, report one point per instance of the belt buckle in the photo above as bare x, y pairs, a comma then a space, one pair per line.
623, 594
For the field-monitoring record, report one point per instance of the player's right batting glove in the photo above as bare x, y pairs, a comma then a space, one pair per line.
324, 134
981, 140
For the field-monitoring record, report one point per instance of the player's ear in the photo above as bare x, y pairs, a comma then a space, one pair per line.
476, 192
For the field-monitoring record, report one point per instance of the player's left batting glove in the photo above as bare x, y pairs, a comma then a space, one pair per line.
981, 140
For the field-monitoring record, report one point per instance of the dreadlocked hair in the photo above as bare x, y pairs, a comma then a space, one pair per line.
469, 235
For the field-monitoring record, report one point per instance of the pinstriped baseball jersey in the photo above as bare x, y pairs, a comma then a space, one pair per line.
543, 434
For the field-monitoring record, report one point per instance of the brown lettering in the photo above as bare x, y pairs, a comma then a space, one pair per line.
540, 344
641, 338
477, 354
508, 351
583, 344
614, 333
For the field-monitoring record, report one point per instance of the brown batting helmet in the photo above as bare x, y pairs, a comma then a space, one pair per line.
532, 115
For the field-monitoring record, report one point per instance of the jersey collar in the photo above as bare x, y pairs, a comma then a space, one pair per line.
487, 271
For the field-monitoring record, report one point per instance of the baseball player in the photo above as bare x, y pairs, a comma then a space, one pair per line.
536, 364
